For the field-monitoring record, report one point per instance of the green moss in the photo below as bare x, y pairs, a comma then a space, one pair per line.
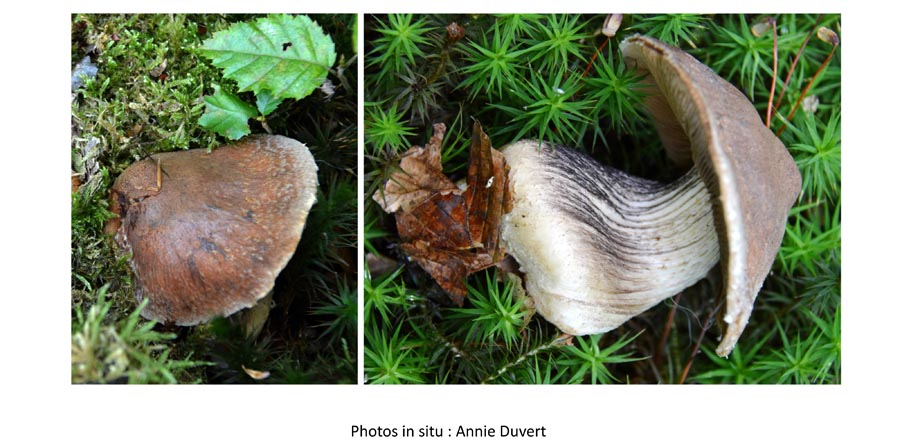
125, 351
548, 77
132, 109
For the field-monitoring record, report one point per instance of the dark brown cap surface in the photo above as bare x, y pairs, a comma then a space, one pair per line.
211, 240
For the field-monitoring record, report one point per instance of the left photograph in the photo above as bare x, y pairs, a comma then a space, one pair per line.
214, 198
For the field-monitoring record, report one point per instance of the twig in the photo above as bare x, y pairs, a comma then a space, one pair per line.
822, 67
559, 340
706, 326
454, 33
794, 63
265, 125
774, 26
658, 355
594, 57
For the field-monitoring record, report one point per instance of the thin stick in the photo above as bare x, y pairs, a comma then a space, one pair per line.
265, 125
796, 59
706, 326
658, 355
807, 87
774, 25
158, 175
594, 57
555, 342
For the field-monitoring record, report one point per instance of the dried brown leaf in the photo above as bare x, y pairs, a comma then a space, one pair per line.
451, 233
256, 374
420, 176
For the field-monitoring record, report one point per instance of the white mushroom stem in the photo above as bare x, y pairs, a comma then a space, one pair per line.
599, 246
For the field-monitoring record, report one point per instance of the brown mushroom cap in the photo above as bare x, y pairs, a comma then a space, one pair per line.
749, 173
211, 240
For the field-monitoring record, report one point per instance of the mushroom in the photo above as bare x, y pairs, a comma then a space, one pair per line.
599, 246
208, 232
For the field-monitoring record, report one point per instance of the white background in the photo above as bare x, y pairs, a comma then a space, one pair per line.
39, 403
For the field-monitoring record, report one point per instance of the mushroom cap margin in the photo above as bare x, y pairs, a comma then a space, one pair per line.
751, 176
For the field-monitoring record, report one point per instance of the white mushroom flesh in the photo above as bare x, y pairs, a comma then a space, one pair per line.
599, 246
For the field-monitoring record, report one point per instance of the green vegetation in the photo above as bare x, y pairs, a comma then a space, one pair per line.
129, 351
276, 57
150, 91
552, 77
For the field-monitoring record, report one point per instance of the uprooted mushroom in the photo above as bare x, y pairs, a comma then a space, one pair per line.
208, 232
598, 246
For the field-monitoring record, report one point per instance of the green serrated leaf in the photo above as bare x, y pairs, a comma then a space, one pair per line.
226, 114
266, 102
287, 55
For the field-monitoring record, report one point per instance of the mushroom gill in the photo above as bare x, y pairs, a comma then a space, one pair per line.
600, 246
208, 232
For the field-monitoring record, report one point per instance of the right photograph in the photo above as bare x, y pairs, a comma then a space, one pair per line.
601, 199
